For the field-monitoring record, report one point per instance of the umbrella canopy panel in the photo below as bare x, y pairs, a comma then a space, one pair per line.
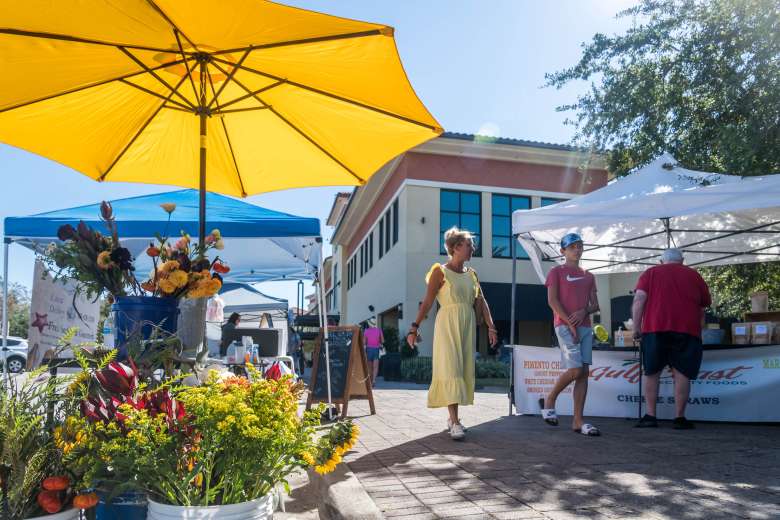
260, 244
124, 91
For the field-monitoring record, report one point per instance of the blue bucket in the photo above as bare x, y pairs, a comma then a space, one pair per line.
142, 313
127, 506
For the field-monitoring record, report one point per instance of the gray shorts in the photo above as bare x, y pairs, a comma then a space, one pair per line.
575, 354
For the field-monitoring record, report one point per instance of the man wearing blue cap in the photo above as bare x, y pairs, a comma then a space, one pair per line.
571, 293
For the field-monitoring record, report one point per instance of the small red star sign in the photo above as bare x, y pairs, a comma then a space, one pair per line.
41, 321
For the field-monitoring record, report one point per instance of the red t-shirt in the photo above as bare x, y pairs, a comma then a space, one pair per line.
573, 286
676, 294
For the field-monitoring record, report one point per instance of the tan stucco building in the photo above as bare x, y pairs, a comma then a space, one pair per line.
388, 233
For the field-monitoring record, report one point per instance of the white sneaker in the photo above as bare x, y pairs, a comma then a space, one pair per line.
456, 432
449, 425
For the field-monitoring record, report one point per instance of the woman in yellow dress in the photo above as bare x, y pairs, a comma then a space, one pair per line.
457, 290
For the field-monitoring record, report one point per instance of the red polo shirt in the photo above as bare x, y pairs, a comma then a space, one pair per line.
676, 295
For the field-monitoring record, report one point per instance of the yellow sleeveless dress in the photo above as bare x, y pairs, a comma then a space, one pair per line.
454, 339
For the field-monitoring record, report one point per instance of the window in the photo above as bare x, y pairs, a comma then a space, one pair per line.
386, 218
547, 201
381, 239
464, 210
336, 286
371, 250
395, 221
503, 207
362, 259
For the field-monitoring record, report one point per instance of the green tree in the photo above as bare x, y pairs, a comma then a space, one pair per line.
18, 309
699, 79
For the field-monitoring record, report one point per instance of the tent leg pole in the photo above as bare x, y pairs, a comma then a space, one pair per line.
324, 328
639, 413
202, 185
6, 243
512, 326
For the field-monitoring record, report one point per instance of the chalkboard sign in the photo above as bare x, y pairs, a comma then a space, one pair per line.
340, 350
349, 376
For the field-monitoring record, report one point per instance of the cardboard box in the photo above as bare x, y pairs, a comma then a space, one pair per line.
740, 333
764, 332
624, 338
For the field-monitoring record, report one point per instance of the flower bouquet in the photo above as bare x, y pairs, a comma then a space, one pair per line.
97, 262
102, 266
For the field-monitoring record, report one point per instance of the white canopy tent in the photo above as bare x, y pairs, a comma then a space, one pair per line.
251, 304
715, 219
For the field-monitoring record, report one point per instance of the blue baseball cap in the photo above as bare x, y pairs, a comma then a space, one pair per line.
569, 239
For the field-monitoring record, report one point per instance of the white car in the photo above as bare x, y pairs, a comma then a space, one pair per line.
14, 356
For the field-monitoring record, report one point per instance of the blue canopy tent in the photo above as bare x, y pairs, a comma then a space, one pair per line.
260, 244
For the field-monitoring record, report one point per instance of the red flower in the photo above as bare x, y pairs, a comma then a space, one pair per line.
221, 268
153, 251
59, 483
50, 501
118, 378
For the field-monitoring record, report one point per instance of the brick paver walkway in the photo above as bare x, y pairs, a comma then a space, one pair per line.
518, 467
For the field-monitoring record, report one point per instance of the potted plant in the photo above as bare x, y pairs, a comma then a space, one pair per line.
34, 481
205, 451
391, 361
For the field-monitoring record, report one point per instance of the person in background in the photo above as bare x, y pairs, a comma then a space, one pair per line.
374, 340
459, 294
668, 314
227, 335
571, 294
295, 350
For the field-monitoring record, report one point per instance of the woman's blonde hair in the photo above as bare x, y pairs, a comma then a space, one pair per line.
453, 237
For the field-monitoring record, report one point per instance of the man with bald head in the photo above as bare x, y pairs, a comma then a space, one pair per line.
668, 313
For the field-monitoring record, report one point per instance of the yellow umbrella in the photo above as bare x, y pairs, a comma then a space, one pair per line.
264, 96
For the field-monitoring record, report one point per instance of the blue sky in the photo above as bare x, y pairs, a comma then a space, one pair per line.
477, 65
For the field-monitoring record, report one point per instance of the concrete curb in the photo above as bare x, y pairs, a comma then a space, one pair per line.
342, 497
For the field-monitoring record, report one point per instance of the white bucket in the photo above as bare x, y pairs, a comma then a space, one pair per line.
68, 514
259, 509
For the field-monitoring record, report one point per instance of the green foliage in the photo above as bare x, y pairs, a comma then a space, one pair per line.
697, 78
392, 341
18, 309
732, 285
420, 369
417, 369
490, 369
27, 451
407, 351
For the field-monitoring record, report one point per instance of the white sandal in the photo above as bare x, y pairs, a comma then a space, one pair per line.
548, 414
588, 430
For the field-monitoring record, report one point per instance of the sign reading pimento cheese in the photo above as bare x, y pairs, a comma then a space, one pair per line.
733, 385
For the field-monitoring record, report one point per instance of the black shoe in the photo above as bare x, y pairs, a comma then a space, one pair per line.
648, 421
681, 423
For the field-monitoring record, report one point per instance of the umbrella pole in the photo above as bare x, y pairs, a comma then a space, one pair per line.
512, 326
202, 199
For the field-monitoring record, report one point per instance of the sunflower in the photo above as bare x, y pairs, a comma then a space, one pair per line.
104, 260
